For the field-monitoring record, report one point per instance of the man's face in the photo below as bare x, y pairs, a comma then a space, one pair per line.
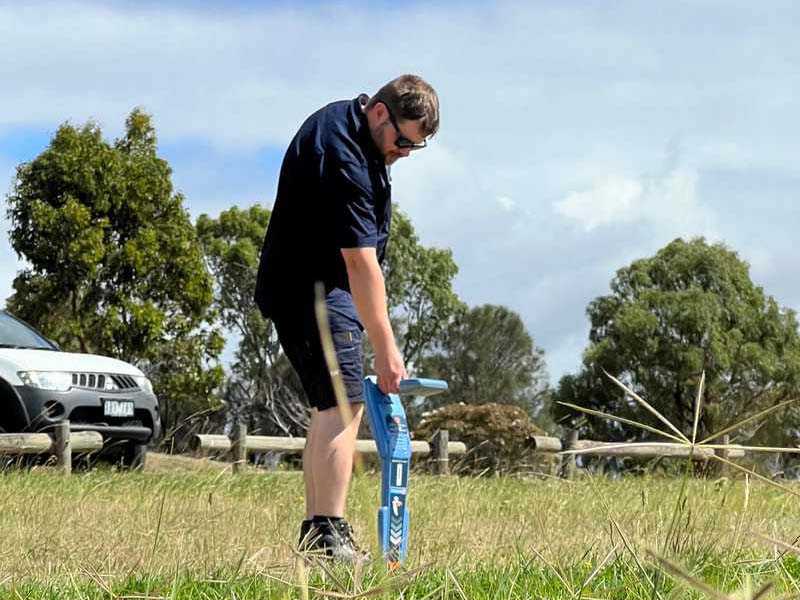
389, 130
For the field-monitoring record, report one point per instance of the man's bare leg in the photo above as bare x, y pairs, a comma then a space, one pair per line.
307, 478
331, 454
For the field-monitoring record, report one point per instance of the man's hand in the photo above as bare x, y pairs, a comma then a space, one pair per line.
390, 369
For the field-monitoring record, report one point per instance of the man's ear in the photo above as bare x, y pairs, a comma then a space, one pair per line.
380, 112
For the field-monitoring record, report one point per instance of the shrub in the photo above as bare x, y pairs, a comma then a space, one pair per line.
499, 437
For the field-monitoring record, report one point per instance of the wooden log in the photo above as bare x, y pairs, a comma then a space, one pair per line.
439, 444
25, 443
543, 443
455, 447
211, 442
85, 441
648, 450
63, 447
42, 443
264, 443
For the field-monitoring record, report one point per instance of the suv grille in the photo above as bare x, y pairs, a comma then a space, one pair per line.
97, 381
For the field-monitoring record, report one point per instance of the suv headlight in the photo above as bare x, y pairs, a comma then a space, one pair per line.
143, 383
55, 381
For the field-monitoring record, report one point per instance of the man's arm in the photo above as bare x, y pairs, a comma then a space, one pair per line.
369, 295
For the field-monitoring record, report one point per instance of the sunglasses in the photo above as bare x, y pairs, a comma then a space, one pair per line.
402, 141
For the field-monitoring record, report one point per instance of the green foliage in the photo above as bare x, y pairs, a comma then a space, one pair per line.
499, 436
231, 245
690, 308
114, 263
486, 355
419, 286
262, 389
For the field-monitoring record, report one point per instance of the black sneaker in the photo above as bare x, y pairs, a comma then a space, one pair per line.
337, 542
308, 536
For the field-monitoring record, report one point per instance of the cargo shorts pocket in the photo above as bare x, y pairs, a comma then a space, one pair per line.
350, 356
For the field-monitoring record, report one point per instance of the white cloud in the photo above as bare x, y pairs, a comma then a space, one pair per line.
669, 202
506, 203
611, 200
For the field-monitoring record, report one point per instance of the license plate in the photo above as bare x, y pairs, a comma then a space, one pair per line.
118, 408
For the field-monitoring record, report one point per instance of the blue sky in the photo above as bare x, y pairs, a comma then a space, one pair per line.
576, 136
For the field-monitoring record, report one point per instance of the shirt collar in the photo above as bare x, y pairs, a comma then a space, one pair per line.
362, 130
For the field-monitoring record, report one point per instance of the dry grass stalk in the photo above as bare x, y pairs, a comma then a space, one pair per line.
698, 404
647, 406
611, 417
759, 415
695, 583
329, 351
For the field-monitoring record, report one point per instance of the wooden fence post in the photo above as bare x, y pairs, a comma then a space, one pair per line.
724, 470
63, 447
569, 466
239, 447
441, 458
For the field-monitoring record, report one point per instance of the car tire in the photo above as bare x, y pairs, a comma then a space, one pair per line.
134, 456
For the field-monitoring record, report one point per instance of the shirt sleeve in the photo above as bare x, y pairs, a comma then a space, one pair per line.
353, 205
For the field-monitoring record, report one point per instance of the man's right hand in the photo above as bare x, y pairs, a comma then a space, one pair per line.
390, 369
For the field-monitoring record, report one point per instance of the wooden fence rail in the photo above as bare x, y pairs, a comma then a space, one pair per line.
61, 443
642, 450
240, 444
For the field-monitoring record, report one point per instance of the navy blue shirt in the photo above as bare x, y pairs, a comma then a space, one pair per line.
333, 193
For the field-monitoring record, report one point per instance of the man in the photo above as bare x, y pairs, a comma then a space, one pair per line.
330, 224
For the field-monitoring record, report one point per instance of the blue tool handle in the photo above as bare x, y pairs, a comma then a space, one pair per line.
422, 387
387, 419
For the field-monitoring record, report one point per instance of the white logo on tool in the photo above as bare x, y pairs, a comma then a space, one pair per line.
396, 504
398, 478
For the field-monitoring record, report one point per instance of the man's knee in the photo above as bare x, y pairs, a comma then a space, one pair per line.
337, 418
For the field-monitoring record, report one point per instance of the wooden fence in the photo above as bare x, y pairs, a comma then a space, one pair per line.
572, 446
61, 444
239, 444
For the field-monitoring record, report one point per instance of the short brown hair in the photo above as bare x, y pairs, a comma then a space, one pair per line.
411, 98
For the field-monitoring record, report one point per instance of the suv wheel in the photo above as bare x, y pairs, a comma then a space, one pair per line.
134, 456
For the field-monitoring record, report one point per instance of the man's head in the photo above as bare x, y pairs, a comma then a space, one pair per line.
402, 116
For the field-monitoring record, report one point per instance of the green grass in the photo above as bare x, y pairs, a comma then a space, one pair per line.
525, 580
208, 534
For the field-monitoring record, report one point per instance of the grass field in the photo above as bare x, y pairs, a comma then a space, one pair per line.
190, 530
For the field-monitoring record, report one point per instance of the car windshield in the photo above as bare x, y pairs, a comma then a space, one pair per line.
16, 334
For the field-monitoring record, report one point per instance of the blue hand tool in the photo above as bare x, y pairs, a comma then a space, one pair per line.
387, 420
